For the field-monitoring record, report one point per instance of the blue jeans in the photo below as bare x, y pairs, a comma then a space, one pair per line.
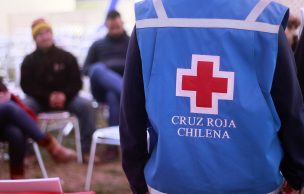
84, 111
15, 126
106, 86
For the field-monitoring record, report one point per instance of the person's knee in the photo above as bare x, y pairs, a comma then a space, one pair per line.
103, 78
10, 108
80, 106
96, 70
96, 73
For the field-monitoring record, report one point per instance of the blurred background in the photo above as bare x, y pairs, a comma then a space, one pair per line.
76, 24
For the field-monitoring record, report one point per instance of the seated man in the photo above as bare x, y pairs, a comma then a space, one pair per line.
105, 65
51, 79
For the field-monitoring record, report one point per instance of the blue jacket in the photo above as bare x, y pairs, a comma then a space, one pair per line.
231, 176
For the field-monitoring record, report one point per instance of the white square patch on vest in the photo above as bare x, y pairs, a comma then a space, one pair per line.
205, 84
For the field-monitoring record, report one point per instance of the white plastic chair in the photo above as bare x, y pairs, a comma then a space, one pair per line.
109, 136
39, 159
50, 122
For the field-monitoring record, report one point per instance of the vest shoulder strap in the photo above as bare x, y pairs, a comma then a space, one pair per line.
251, 23
258, 10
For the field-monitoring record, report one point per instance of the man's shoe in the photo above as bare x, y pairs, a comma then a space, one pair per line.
58, 152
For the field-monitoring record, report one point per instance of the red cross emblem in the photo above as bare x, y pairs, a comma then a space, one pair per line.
205, 84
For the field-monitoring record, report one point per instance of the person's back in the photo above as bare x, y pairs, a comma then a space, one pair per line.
208, 69
219, 102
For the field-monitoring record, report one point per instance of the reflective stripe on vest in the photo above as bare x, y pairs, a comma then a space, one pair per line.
249, 24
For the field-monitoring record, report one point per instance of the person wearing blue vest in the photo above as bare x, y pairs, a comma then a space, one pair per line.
214, 83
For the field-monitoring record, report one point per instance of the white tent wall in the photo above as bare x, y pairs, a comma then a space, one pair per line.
31, 6
76, 24
294, 5
74, 29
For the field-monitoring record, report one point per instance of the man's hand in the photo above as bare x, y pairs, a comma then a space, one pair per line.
4, 97
57, 100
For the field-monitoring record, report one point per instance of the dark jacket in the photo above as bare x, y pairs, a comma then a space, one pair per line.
45, 72
299, 56
285, 92
109, 51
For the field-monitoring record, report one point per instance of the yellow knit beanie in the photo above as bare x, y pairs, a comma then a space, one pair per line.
39, 24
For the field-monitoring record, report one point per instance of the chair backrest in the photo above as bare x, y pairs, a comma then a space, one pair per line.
109, 133
54, 115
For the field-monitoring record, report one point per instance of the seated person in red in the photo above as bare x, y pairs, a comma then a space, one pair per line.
17, 123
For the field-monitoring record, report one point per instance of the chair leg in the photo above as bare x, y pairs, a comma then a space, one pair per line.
68, 128
65, 131
77, 140
60, 136
40, 161
90, 165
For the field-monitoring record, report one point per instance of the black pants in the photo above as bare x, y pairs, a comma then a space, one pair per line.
15, 127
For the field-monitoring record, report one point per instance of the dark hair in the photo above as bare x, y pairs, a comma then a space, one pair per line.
293, 21
113, 15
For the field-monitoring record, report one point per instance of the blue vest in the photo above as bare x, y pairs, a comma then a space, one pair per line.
208, 68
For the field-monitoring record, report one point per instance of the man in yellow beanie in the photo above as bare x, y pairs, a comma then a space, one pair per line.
40, 26
51, 79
